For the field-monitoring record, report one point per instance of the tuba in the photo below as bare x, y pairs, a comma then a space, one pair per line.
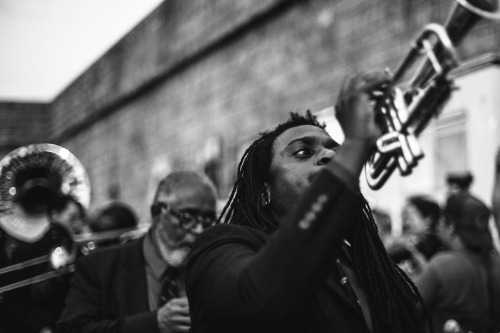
405, 107
32, 180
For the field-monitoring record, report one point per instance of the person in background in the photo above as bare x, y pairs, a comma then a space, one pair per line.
459, 182
495, 198
139, 286
463, 284
116, 223
114, 216
70, 214
384, 225
419, 242
299, 249
36, 307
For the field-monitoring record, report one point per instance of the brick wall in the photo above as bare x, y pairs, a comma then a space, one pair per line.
203, 71
22, 124
175, 34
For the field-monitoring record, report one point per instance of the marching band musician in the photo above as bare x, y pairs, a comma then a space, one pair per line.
36, 307
299, 251
36, 234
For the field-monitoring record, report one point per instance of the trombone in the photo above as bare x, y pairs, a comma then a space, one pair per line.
61, 260
58, 259
32, 179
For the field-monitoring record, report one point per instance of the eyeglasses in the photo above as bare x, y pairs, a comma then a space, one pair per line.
187, 220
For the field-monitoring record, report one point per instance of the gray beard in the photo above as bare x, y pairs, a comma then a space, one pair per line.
174, 257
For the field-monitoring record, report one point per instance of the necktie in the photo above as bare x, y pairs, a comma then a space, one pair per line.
169, 286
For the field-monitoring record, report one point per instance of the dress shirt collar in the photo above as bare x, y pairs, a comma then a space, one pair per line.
153, 258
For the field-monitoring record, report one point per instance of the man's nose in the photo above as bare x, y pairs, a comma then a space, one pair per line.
325, 156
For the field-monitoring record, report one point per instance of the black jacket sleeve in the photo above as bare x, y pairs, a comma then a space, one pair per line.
236, 276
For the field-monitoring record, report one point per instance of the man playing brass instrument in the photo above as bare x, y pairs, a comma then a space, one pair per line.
299, 251
44, 194
33, 307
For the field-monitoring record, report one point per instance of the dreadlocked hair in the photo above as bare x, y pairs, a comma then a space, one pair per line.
243, 206
392, 295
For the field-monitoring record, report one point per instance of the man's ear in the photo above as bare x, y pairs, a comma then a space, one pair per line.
265, 197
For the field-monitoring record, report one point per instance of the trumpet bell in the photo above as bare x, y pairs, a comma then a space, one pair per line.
404, 113
488, 9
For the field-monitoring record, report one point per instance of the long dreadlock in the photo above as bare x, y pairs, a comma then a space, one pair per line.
392, 295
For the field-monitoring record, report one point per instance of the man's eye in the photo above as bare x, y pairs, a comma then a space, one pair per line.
303, 152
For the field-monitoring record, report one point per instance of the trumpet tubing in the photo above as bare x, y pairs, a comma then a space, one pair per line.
403, 113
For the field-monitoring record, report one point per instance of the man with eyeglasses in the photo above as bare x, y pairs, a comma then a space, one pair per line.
139, 286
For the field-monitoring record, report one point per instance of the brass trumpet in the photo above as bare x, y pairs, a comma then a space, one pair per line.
403, 111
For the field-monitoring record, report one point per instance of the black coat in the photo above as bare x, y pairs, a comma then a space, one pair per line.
109, 293
31, 308
242, 280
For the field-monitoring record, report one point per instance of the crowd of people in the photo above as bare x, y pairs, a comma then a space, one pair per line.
449, 253
296, 248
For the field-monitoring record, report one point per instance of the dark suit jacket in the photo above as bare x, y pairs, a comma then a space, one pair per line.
109, 293
242, 280
30, 308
